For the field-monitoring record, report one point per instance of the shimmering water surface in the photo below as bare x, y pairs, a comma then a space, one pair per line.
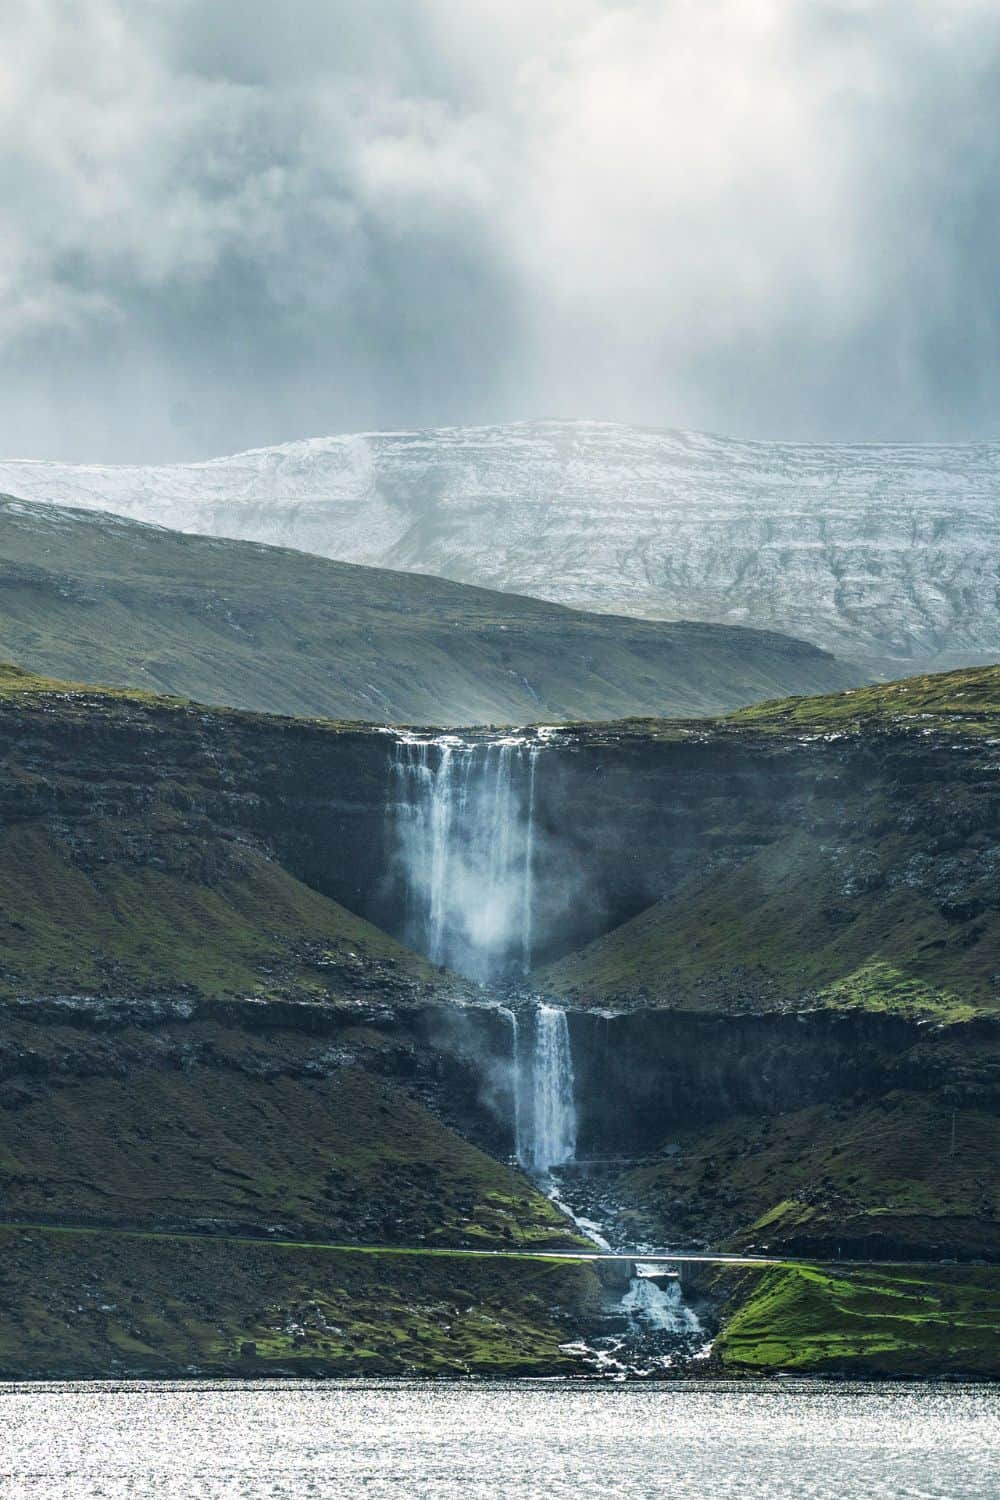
373, 1438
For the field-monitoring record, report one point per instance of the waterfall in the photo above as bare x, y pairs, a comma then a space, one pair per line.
553, 1108
528, 883
651, 1306
550, 1138
465, 834
542, 1087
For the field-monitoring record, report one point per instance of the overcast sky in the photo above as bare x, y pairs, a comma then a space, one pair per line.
229, 223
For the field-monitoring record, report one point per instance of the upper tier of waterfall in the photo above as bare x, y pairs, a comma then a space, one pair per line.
465, 833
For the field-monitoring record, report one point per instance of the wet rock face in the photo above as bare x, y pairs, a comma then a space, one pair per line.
642, 1074
623, 813
623, 820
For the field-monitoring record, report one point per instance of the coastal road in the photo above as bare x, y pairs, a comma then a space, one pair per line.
665, 1258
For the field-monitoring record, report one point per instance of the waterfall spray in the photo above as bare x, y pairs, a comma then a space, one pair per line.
528, 884
515, 1078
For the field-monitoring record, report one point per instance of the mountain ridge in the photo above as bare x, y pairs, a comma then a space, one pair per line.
885, 553
91, 596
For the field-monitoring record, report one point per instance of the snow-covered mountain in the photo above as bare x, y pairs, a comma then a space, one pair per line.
887, 553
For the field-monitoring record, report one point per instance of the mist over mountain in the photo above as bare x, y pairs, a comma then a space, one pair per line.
887, 554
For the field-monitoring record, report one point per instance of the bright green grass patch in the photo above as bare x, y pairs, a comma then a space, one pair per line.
867, 1323
787, 1214
878, 985
966, 701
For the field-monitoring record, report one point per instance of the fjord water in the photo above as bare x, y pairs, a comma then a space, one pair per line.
776, 1441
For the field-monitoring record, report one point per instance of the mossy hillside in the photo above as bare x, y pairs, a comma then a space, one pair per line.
908, 1174
836, 851
225, 919
180, 1121
848, 882
105, 1304
965, 702
804, 922
865, 1323
15, 680
95, 597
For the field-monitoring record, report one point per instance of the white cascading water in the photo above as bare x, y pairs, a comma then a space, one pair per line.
465, 820
553, 1107
542, 1087
515, 1079
466, 833
661, 1309
464, 813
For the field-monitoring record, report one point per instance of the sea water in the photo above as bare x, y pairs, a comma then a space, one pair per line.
797, 1439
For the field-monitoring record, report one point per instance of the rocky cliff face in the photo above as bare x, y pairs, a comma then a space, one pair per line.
211, 1040
741, 848
790, 915
882, 553
810, 1134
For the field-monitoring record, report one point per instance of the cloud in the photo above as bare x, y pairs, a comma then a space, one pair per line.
227, 225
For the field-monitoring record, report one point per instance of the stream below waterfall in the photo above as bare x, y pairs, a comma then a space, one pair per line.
648, 1326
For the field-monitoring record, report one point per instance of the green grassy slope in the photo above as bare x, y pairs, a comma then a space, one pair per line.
872, 1177
128, 1110
218, 1126
100, 1305
871, 905
865, 1323
93, 597
777, 930
966, 700
250, 929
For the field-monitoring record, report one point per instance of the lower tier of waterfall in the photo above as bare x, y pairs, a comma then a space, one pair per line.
543, 1088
